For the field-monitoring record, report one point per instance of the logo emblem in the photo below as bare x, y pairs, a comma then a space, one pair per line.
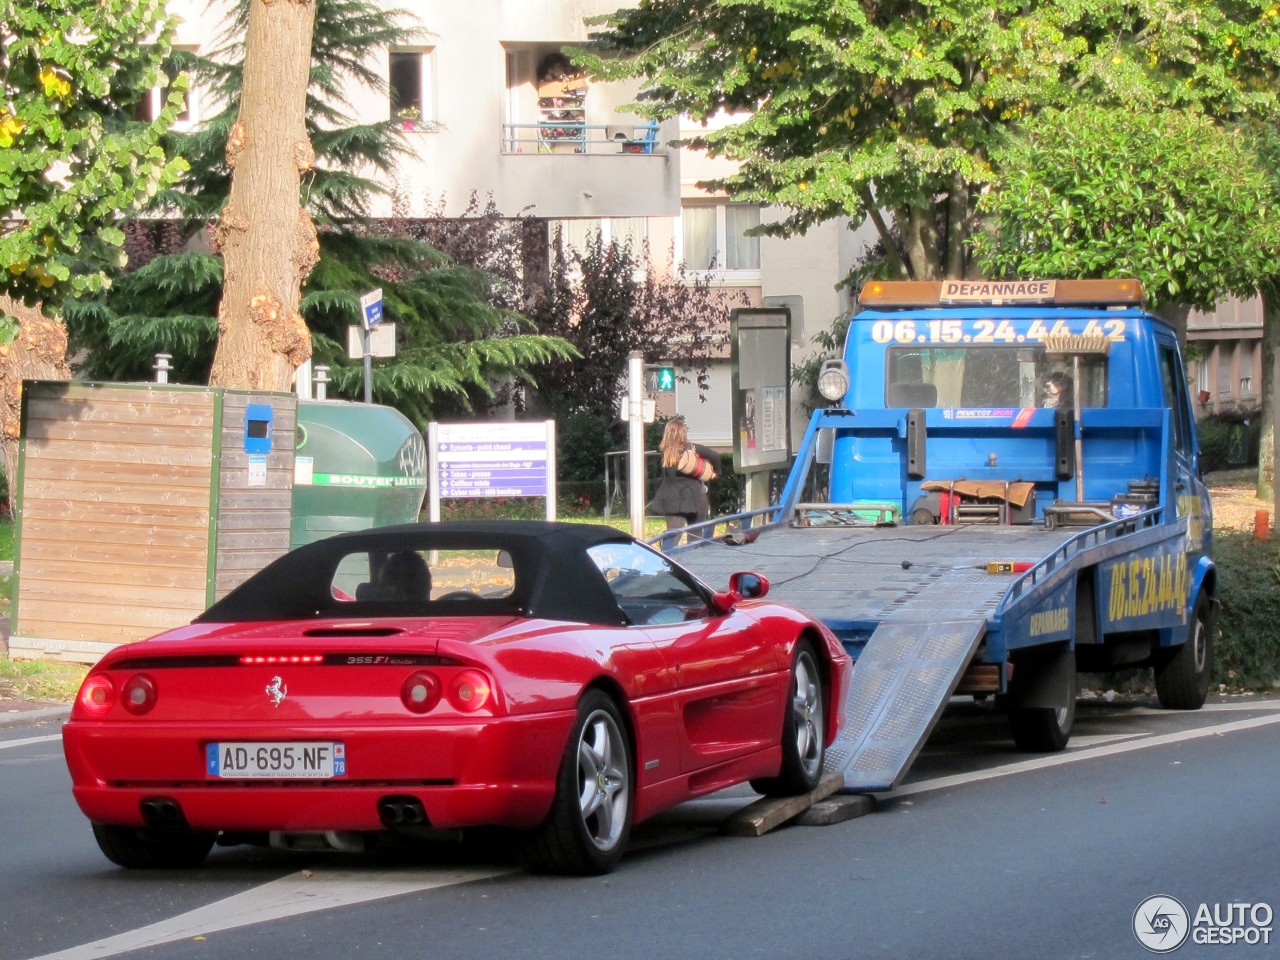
277, 690
1161, 924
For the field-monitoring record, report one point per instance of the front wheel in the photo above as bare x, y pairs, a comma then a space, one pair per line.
1182, 681
148, 848
590, 818
803, 731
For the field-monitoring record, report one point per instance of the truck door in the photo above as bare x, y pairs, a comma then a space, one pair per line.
1190, 495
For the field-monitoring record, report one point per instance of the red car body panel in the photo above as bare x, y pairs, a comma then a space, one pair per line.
705, 701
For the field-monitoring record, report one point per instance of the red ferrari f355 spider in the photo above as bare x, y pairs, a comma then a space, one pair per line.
561, 679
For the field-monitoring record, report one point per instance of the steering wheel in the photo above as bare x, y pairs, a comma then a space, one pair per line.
458, 595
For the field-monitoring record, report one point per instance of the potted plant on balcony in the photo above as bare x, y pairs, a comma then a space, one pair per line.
409, 117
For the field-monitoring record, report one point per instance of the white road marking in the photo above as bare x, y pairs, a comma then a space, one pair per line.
1072, 756
289, 896
5, 744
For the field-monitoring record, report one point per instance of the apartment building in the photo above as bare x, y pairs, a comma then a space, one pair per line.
1224, 350
489, 105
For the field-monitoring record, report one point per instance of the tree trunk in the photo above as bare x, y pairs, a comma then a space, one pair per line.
39, 352
267, 241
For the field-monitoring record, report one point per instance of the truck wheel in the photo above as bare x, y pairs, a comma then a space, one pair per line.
1046, 729
590, 817
803, 731
1182, 680
146, 848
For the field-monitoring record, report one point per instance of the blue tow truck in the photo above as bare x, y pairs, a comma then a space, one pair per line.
1004, 491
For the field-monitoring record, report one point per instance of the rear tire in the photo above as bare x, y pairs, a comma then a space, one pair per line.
1046, 729
590, 820
147, 848
1182, 681
803, 731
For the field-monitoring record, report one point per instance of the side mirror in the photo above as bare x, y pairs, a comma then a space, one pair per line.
748, 586
742, 586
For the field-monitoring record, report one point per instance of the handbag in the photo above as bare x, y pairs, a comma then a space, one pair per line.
692, 464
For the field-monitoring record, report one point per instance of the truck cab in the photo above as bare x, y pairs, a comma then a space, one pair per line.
1069, 391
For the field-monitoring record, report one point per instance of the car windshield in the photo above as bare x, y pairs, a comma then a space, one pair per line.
990, 377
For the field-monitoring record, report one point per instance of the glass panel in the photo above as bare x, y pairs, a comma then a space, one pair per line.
630, 230
415, 576
1169, 384
988, 377
404, 77
649, 590
742, 252
699, 237
578, 234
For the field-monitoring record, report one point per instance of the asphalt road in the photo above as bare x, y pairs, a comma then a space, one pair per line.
984, 852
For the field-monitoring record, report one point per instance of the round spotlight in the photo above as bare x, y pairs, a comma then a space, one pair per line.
833, 380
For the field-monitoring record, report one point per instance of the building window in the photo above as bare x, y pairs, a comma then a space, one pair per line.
1226, 359
412, 81
714, 236
1246, 386
578, 234
153, 100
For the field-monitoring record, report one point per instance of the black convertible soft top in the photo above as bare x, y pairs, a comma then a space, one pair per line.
554, 577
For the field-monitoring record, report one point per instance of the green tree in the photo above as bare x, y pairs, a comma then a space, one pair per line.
71, 157
848, 109
1172, 198
72, 161
1187, 205
620, 303
457, 334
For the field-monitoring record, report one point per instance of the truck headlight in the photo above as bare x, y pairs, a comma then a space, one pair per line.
833, 380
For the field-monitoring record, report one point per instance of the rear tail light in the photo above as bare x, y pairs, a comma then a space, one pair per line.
138, 694
470, 691
421, 692
97, 694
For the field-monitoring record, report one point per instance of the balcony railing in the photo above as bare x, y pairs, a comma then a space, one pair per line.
580, 138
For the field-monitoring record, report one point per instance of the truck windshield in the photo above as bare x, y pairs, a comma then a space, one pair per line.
991, 376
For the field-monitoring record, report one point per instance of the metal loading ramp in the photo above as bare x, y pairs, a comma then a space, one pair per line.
902, 681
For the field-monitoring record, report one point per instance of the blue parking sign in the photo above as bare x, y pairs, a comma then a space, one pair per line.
371, 308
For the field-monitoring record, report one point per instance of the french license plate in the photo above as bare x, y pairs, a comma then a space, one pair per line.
276, 761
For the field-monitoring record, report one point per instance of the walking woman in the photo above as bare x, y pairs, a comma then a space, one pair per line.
682, 496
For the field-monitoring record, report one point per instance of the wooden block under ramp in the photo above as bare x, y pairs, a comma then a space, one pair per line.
758, 818
837, 810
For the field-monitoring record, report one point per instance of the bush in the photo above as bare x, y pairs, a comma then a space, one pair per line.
1230, 439
582, 440
1247, 651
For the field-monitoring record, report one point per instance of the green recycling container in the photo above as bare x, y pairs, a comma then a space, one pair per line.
356, 465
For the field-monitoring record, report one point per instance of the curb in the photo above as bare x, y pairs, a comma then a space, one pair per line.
33, 716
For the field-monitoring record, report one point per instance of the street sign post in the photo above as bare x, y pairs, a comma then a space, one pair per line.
370, 316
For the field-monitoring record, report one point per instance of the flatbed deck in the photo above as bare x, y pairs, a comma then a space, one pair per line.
885, 573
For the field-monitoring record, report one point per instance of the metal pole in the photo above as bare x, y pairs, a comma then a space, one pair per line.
368, 365
322, 381
635, 441
1079, 438
162, 367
